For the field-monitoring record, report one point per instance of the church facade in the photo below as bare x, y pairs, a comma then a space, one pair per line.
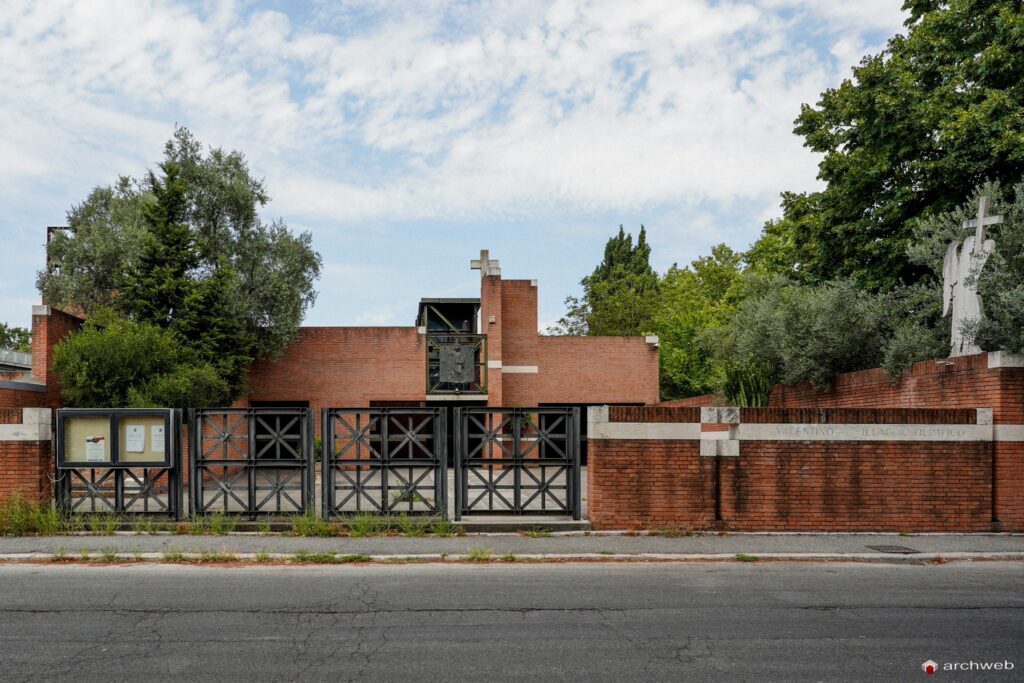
459, 351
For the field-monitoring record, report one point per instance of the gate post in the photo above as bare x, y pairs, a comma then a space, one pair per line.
577, 506
459, 424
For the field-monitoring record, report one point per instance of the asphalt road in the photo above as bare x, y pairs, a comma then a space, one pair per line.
633, 622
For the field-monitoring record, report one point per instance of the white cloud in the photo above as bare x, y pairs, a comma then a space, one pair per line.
495, 111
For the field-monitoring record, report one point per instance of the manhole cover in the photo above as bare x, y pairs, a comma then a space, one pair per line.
896, 549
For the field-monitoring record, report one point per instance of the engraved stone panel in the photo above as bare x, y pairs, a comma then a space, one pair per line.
457, 362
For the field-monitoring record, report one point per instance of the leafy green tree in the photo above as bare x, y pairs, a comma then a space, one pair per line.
692, 300
112, 362
919, 125
620, 297
107, 236
789, 333
15, 338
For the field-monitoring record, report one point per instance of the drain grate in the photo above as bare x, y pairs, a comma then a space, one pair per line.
895, 549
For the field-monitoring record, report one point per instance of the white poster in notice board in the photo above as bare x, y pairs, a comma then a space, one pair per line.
158, 439
95, 449
135, 438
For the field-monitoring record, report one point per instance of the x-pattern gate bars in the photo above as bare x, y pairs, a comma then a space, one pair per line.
251, 460
146, 490
384, 460
519, 461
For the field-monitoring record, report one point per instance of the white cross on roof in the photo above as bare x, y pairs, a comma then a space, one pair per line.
485, 265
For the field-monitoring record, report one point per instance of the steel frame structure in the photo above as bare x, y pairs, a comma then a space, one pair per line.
263, 454
436, 384
517, 461
384, 460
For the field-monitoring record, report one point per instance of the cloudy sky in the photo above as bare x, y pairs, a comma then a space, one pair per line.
406, 136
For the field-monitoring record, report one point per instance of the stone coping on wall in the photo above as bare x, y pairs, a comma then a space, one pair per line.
721, 429
35, 425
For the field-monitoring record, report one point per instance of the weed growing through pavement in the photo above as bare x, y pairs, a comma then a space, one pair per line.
263, 556
509, 557
366, 525
537, 532
410, 526
445, 527
330, 557
173, 556
743, 557
19, 517
108, 555
103, 524
478, 555
311, 524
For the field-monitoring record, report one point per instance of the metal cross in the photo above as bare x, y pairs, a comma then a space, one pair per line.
485, 265
981, 221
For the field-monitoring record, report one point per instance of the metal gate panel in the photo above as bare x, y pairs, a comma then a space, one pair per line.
251, 461
384, 460
517, 461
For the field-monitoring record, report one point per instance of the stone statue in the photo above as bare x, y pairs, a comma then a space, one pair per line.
960, 271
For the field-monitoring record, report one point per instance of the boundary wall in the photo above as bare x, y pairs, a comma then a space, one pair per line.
804, 469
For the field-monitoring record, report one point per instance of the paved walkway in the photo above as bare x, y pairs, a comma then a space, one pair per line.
861, 547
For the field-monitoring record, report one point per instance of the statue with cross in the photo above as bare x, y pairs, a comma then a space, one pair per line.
960, 271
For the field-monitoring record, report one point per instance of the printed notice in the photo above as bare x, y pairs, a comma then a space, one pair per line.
135, 438
158, 439
95, 449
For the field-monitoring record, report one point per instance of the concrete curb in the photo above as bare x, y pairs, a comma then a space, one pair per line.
213, 558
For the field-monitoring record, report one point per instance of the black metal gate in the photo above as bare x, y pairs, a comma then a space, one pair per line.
384, 460
251, 460
517, 461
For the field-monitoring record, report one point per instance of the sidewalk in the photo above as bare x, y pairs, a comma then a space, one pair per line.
913, 548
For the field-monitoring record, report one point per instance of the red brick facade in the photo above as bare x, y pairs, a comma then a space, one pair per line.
355, 366
812, 484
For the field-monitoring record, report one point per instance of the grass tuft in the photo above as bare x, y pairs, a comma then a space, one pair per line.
743, 557
102, 524
330, 557
410, 526
310, 524
173, 556
108, 555
446, 527
537, 532
478, 555
365, 524
19, 517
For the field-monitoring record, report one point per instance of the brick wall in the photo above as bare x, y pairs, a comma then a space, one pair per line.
967, 382
811, 484
353, 366
25, 462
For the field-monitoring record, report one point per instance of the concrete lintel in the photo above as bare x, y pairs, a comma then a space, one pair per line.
658, 431
864, 432
26, 432
43, 310
520, 369
494, 365
1009, 432
1005, 359
457, 397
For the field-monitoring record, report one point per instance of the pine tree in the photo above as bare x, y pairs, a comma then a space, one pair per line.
155, 292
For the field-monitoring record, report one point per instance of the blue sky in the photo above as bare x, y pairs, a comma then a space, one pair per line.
407, 136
